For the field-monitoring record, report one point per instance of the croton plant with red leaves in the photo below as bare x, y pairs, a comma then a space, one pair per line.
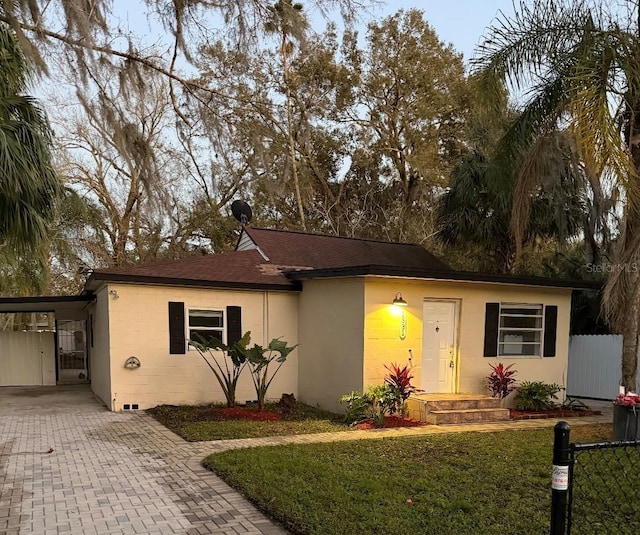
501, 381
400, 379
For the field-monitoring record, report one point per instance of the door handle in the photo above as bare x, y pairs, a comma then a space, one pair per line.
451, 364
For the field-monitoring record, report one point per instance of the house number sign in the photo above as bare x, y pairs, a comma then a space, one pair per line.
403, 325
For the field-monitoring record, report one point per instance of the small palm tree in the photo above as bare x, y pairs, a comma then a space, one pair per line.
579, 67
476, 208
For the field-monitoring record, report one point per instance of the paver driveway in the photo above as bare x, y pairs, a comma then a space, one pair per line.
106, 472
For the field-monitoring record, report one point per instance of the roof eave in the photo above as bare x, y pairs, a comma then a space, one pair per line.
453, 276
98, 278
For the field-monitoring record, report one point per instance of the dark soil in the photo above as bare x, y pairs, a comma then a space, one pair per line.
551, 413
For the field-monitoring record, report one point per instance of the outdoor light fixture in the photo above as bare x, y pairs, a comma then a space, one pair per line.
398, 301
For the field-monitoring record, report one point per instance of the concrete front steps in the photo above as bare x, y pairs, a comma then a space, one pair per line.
442, 409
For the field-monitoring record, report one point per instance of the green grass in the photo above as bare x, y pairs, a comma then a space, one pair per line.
471, 483
206, 422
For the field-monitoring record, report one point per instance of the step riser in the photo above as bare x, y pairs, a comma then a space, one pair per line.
466, 417
463, 404
456, 411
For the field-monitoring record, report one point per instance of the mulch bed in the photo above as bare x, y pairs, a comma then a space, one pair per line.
391, 421
242, 413
551, 413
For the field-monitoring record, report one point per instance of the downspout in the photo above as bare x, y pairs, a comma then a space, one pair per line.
112, 395
265, 318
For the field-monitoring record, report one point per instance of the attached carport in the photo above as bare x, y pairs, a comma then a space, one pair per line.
42, 356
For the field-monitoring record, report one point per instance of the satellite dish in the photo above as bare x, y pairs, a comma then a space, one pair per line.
241, 211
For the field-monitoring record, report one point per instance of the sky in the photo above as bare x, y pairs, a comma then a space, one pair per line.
459, 22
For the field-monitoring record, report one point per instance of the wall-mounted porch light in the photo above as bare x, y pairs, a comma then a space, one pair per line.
398, 301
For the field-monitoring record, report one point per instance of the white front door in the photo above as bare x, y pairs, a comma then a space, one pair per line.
439, 346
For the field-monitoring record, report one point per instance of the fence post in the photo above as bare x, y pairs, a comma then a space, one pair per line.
560, 478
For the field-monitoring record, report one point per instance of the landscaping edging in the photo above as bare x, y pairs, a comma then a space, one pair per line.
551, 413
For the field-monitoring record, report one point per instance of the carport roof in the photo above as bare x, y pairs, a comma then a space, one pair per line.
47, 303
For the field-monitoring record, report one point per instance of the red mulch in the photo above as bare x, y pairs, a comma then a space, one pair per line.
392, 421
551, 413
241, 413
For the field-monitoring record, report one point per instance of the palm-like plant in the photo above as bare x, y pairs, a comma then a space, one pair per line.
468, 214
28, 183
226, 362
476, 208
579, 67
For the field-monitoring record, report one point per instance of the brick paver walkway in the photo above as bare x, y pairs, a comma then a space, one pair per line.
108, 473
122, 473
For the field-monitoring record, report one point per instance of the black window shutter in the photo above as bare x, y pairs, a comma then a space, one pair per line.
550, 328
234, 325
491, 319
177, 345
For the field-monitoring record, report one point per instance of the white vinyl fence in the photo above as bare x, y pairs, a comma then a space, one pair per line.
27, 358
595, 366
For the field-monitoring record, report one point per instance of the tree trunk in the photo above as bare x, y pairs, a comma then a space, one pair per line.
629, 307
290, 136
630, 338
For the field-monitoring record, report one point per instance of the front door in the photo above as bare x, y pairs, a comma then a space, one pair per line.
439, 346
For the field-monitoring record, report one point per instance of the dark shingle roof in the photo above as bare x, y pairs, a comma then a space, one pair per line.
319, 251
240, 269
292, 257
284, 251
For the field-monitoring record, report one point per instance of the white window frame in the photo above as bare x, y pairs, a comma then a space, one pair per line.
504, 345
220, 329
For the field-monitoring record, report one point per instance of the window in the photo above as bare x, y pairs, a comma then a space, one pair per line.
204, 325
520, 330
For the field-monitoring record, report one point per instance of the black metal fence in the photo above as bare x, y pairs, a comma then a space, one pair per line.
595, 487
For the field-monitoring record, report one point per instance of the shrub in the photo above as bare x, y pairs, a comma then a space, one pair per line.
359, 407
501, 381
385, 400
375, 404
536, 396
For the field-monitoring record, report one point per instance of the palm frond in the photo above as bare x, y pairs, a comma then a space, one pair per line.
522, 49
28, 183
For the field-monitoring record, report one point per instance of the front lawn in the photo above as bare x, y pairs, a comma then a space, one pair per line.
214, 422
464, 483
